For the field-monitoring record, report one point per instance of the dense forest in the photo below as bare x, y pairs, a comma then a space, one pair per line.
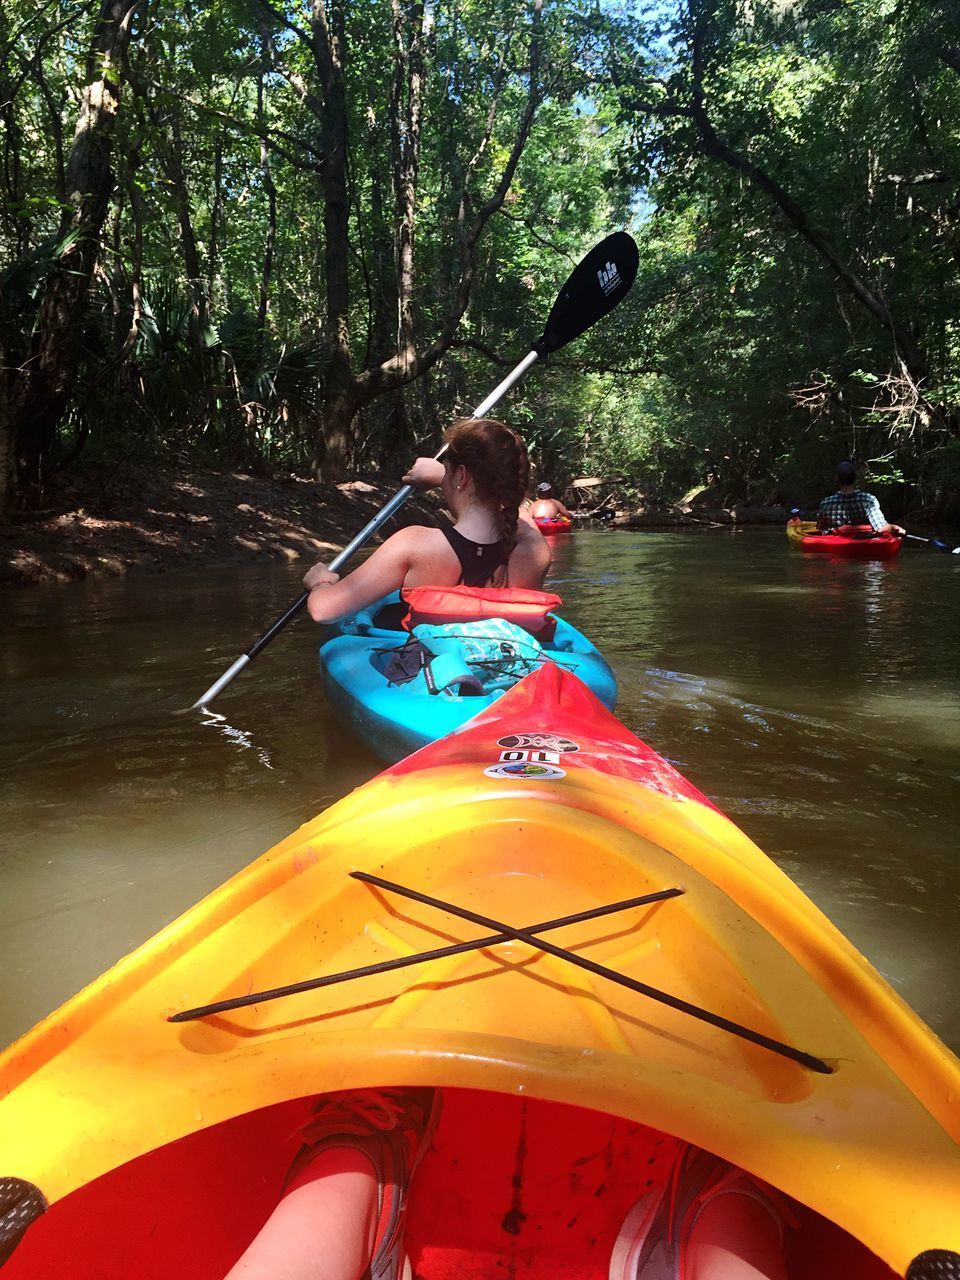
303, 234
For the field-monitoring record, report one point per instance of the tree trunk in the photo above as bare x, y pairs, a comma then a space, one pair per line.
339, 404
42, 385
270, 238
17, 225
405, 126
7, 455
216, 242
347, 390
171, 152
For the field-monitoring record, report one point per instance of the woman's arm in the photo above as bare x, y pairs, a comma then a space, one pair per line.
331, 598
426, 473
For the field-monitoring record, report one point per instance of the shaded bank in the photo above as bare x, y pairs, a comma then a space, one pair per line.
163, 520
160, 520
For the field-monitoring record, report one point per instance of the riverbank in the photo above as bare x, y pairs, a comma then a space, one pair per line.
158, 521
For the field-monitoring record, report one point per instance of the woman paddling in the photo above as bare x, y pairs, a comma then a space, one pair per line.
483, 478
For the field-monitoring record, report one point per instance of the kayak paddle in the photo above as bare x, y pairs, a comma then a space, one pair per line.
595, 286
935, 543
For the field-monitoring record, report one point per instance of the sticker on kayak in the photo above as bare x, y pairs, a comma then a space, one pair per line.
530, 757
545, 741
525, 769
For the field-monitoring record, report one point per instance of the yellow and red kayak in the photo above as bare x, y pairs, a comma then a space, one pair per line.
852, 542
614, 968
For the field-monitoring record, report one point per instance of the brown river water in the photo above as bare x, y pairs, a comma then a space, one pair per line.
816, 702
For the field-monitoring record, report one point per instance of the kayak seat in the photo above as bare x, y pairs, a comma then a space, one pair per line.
451, 671
378, 617
389, 616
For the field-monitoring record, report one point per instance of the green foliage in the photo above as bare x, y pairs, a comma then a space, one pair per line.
849, 112
740, 359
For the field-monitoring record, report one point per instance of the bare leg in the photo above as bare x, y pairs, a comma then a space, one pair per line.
735, 1238
324, 1226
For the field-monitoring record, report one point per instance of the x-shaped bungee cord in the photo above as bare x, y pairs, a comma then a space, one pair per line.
421, 957
530, 935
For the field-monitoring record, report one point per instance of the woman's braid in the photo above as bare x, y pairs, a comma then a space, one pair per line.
496, 458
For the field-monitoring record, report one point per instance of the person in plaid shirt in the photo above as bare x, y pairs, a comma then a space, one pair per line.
850, 505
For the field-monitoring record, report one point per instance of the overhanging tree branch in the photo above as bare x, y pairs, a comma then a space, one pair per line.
908, 351
265, 134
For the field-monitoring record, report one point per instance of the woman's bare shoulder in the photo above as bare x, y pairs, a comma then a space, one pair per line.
530, 558
415, 540
427, 556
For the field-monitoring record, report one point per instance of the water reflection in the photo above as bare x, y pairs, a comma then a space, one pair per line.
817, 703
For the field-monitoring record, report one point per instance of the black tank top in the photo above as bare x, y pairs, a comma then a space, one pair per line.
479, 561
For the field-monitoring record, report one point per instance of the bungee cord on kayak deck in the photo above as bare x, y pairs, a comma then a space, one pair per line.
505, 933
664, 997
420, 957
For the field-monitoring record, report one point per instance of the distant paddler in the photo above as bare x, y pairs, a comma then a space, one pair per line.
547, 510
853, 506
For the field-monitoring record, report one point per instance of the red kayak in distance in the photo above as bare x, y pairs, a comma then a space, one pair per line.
851, 541
550, 525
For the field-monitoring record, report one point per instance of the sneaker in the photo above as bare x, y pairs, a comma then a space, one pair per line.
656, 1230
393, 1129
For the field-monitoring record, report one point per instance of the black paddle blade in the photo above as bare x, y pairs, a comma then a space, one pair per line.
601, 280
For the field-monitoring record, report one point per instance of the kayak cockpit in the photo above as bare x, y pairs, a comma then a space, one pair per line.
510, 1186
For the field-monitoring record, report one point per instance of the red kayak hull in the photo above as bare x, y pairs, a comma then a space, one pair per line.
550, 525
860, 545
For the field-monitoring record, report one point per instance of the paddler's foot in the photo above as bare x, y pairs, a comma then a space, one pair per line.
342, 1211
710, 1221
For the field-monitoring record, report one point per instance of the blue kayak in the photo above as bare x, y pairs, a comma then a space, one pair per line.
436, 688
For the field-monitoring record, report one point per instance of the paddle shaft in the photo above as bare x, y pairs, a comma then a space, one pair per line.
601, 971
388, 510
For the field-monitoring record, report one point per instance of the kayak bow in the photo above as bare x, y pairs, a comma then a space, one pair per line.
531, 889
